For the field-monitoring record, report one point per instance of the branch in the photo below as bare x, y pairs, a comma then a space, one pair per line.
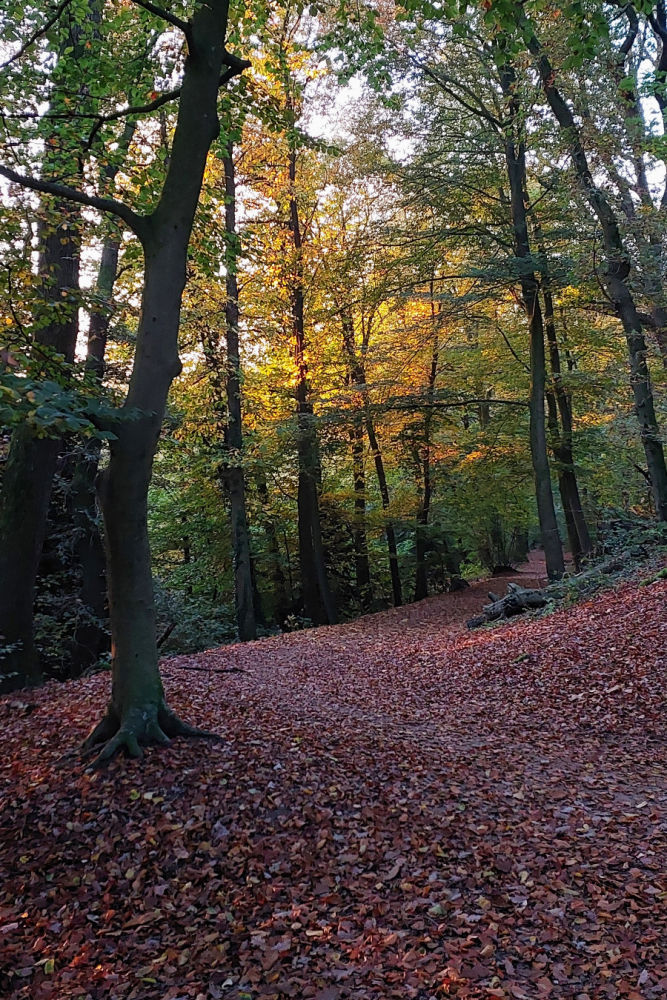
507, 341
633, 29
152, 8
235, 67
446, 83
132, 109
137, 223
37, 33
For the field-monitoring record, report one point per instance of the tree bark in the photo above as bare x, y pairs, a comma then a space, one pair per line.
360, 539
91, 637
358, 378
515, 159
390, 533
559, 407
31, 464
282, 603
137, 713
421, 576
318, 602
580, 539
234, 474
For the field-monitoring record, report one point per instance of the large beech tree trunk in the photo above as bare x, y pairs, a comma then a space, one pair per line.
137, 712
616, 275
515, 158
234, 474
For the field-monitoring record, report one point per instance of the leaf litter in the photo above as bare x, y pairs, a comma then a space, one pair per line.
400, 809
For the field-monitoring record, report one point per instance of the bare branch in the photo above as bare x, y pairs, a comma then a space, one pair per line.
447, 84
137, 223
512, 351
152, 8
132, 109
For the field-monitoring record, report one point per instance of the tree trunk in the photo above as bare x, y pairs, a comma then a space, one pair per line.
390, 534
234, 474
581, 545
516, 172
354, 378
91, 638
421, 576
318, 602
357, 376
282, 604
616, 276
360, 539
137, 713
31, 464
564, 484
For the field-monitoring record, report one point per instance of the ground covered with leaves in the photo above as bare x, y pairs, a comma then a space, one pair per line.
400, 809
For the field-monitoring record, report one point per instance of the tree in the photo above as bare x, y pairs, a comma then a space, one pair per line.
137, 713
31, 463
515, 158
617, 272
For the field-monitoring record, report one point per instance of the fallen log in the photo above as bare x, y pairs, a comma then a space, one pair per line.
516, 601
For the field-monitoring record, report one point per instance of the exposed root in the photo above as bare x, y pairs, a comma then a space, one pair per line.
102, 732
150, 726
173, 726
124, 739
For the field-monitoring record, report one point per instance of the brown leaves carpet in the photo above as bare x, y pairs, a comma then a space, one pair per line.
400, 809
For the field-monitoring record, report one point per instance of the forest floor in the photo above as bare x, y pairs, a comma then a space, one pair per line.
400, 809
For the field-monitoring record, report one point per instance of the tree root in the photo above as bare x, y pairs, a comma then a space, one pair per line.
139, 727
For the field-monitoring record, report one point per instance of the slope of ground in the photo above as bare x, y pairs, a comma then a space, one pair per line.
400, 809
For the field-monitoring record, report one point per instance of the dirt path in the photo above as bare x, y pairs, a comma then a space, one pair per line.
400, 810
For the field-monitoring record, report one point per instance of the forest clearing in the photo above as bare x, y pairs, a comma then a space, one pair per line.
398, 809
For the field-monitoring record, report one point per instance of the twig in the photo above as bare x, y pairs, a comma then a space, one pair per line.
37, 33
208, 670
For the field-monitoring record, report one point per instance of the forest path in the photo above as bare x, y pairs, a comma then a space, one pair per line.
400, 809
